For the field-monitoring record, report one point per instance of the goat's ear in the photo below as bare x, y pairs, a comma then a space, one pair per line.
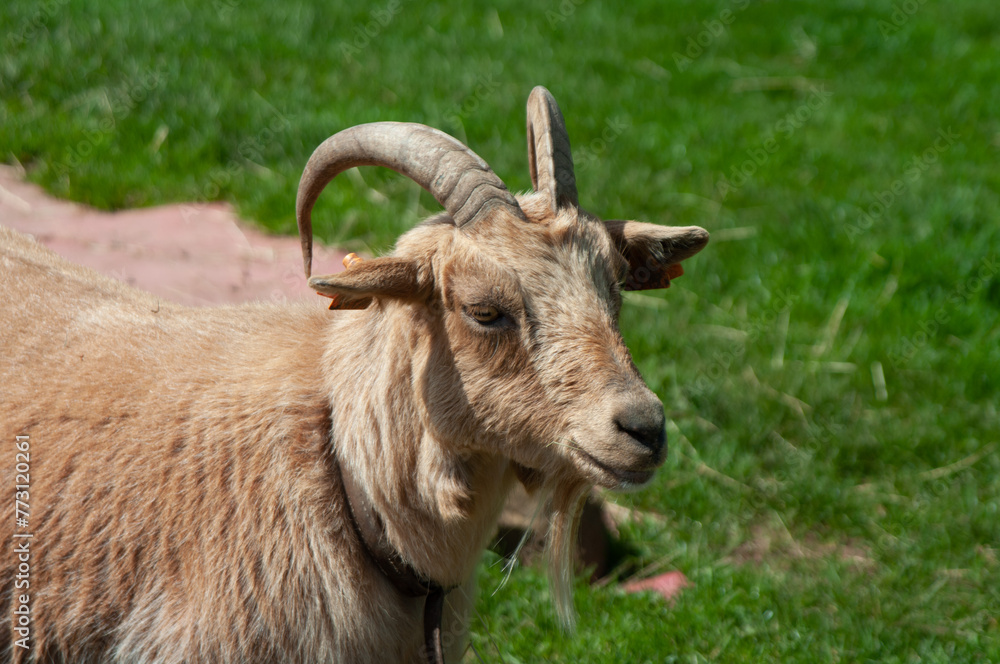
387, 277
654, 252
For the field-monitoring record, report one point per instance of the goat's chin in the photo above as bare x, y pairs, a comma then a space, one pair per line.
608, 476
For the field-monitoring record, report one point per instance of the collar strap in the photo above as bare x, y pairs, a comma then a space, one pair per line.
407, 581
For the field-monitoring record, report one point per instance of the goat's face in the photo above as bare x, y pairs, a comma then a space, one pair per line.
527, 294
531, 312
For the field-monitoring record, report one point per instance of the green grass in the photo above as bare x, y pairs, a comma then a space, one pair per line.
817, 521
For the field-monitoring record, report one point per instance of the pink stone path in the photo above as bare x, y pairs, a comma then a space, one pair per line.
196, 254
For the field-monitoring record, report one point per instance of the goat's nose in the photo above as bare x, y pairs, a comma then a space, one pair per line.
643, 420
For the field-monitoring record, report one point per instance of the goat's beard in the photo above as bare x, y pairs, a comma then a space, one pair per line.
568, 497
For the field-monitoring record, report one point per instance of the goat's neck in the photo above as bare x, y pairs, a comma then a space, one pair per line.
398, 427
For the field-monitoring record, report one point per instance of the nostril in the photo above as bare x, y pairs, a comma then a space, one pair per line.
652, 436
640, 416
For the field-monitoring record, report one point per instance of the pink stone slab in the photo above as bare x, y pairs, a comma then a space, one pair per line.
195, 254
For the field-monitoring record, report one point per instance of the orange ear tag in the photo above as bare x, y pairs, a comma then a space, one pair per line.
352, 259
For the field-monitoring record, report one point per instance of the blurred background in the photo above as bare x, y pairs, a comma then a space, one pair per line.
830, 364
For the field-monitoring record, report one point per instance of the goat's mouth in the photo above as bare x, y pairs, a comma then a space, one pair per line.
610, 477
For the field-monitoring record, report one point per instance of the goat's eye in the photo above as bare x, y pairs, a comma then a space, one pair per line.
485, 314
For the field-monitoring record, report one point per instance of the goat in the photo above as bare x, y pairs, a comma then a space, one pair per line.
229, 484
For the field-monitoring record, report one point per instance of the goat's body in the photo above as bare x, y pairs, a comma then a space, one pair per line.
186, 507
186, 502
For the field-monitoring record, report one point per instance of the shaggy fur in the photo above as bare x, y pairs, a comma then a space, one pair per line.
184, 502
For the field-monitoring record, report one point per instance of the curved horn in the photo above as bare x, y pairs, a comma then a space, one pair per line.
549, 156
456, 176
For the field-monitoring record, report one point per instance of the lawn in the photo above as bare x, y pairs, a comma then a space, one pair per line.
830, 364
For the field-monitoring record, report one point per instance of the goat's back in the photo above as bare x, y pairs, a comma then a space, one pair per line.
183, 450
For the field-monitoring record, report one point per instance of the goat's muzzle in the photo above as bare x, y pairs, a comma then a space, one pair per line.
624, 439
642, 420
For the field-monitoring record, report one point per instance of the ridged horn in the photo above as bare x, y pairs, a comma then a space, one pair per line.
455, 175
549, 156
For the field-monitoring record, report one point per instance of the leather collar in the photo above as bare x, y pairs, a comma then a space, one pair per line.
407, 581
